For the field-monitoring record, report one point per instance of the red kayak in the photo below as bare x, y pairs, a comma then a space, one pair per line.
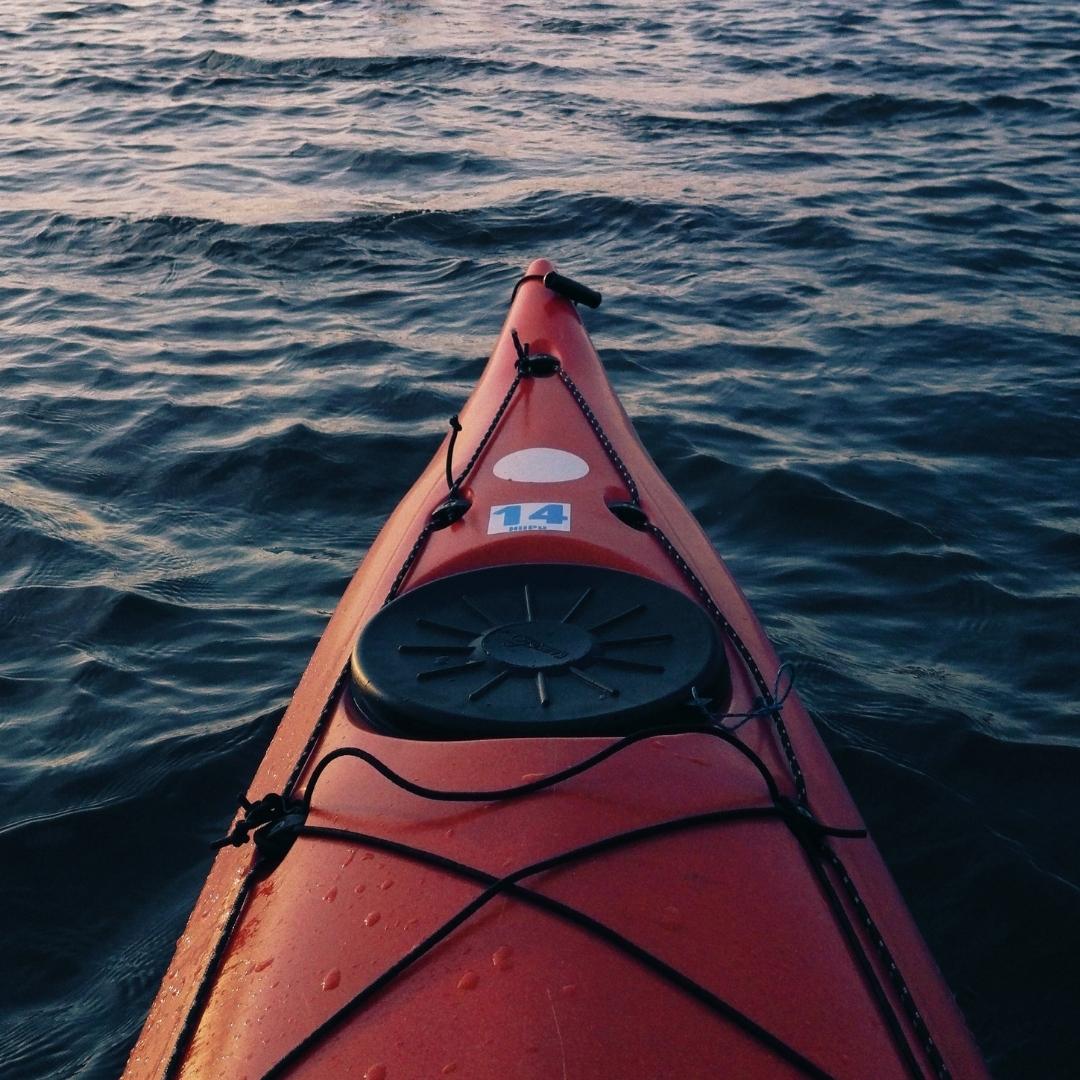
544, 803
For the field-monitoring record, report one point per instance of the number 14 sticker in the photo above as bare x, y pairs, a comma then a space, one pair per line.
529, 517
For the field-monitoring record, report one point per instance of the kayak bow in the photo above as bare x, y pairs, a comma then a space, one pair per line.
544, 802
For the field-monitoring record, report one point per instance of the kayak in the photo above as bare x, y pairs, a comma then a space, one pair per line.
545, 803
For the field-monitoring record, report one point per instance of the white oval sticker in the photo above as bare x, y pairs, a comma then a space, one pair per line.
541, 465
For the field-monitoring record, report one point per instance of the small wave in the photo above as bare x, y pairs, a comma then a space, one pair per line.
107, 85
424, 67
965, 187
825, 110
564, 26
559, 217
112, 7
955, 422
854, 110
811, 231
389, 162
298, 466
826, 514
1011, 104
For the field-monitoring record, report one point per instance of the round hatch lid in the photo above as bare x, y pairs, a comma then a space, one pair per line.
535, 649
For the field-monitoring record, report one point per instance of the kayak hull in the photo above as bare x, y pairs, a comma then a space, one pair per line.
808, 949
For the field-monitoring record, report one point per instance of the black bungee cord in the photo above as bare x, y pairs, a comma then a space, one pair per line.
496, 886
801, 823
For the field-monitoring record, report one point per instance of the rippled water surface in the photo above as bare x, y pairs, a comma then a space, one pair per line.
252, 255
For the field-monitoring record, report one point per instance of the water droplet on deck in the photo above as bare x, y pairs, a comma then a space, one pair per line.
331, 979
331, 894
349, 858
468, 981
502, 959
359, 888
569, 990
671, 917
449, 1067
367, 855
529, 777
372, 918
376, 1072
449, 832
262, 965
388, 883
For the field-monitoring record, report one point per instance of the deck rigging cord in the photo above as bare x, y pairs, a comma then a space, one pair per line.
269, 817
801, 824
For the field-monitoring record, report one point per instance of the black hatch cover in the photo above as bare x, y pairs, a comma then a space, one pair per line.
536, 649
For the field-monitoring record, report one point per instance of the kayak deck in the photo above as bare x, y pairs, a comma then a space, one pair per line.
652, 872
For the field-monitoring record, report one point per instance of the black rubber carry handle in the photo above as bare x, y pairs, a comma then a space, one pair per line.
572, 290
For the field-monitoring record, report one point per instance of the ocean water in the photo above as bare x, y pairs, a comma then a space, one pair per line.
252, 255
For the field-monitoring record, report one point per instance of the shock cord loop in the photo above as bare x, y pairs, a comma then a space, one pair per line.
455, 429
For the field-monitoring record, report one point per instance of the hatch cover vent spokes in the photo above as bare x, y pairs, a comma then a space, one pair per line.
534, 649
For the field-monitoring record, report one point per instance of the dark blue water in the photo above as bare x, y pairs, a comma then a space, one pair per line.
252, 255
